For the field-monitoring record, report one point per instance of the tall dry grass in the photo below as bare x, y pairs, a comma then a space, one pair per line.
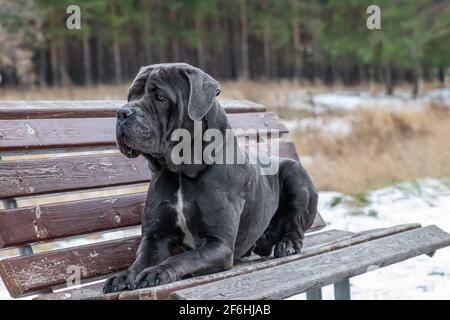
384, 147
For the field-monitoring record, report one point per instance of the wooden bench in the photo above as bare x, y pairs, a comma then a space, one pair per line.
61, 177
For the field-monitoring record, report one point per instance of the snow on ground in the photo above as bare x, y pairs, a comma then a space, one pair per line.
425, 201
352, 100
341, 126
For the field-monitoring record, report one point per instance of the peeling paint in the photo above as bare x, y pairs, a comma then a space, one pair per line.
40, 231
38, 212
94, 254
30, 129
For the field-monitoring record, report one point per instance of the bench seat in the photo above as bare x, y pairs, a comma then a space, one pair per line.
62, 177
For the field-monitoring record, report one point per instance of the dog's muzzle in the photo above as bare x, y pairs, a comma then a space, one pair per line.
124, 114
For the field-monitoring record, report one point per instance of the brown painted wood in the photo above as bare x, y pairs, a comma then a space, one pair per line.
34, 224
31, 177
94, 291
88, 292
76, 132
29, 274
47, 222
92, 109
315, 272
315, 245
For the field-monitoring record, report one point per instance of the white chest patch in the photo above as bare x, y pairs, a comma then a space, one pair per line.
181, 219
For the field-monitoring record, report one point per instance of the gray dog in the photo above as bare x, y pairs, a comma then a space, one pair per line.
200, 218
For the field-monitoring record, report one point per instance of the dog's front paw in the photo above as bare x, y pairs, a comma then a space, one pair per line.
286, 248
154, 276
122, 281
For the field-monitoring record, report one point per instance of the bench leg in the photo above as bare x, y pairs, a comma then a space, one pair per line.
342, 290
314, 294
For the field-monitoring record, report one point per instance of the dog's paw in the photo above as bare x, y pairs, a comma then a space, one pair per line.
286, 248
154, 276
122, 281
263, 246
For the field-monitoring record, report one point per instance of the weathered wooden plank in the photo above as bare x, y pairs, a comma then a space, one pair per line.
38, 176
47, 222
76, 132
92, 109
296, 277
94, 291
43, 223
87, 292
315, 244
27, 275
29, 177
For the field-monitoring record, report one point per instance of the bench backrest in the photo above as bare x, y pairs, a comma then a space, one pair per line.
62, 176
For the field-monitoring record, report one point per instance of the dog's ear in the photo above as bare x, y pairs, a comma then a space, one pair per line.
202, 90
137, 87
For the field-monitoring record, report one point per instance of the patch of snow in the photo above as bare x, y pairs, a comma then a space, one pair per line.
341, 126
347, 101
425, 201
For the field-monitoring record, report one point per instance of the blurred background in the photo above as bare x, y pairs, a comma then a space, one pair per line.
369, 110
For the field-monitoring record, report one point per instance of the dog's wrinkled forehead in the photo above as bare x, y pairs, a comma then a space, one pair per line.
176, 78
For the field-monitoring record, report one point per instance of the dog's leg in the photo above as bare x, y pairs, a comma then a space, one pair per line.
213, 256
295, 214
150, 252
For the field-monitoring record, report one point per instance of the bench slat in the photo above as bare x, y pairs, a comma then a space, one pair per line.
94, 291
30, 177
321, 243
48, 222
296, 277
35, 224
75, 132
41, 176
29, 274
315, 244
92, 109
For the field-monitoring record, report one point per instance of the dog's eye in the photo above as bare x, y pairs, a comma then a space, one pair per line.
161, 98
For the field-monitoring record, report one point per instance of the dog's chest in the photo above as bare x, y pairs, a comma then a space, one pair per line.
181, 221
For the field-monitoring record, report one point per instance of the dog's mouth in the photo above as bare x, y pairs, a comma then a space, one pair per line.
125, 149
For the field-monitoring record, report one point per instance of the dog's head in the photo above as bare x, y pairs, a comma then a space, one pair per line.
162, 98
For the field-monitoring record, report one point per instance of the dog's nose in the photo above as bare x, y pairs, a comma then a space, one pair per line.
124, 112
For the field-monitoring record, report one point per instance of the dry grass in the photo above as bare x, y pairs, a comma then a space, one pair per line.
384, 147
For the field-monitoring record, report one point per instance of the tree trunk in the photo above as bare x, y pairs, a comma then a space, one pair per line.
117, 61
267, 52
100, 60
54, 57
117, 58
148, 57
441, 76
245, 66
389, 81
174, 41
42, 68
199, 42
87, 65
63, 59
417, 77
296, 41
